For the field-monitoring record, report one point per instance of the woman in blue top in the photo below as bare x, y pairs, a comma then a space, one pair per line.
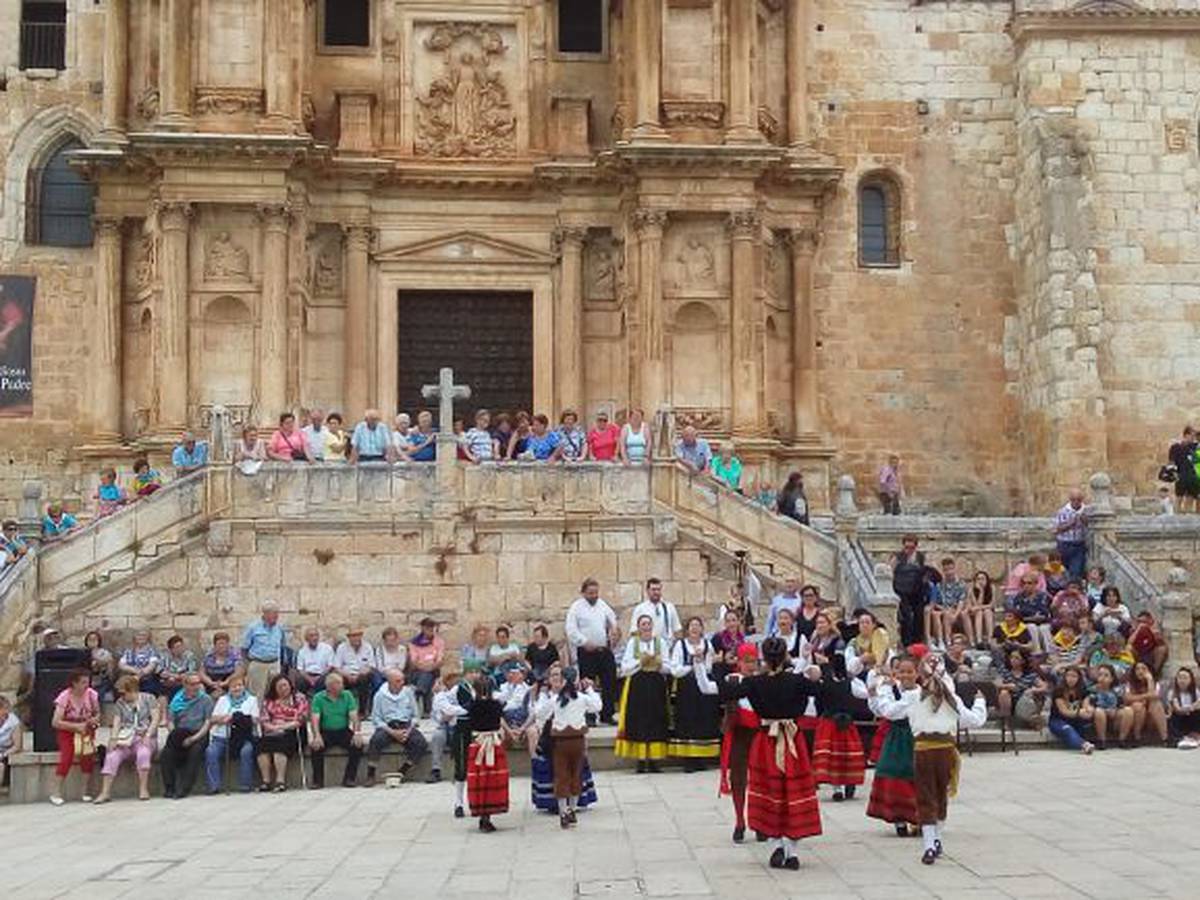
544, 445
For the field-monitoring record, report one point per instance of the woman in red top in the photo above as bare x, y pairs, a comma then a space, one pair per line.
602, 440
284, 729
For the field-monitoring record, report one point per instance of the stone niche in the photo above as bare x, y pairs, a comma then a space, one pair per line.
696, 259
468, 92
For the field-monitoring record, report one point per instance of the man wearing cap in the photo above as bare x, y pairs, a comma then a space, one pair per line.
355, 662
262, 648
425, 654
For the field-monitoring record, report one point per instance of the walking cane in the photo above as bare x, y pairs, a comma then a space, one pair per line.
228, 744
300, 747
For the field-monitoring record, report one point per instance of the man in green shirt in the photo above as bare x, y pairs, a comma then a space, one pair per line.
335, 724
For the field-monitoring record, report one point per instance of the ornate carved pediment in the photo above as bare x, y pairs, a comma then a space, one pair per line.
470, 247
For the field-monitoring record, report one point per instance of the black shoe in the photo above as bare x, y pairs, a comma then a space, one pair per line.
937, 847
760, 837
655, 768
315, 785
609, 721
589, 719
485, 825
850, 792
279, 788
458, 812
792, 862
642, 768
405, 768
929, 857
739, 834
348, 783
572, 818
777, 858
433, 777
564, 821
264, 788
901, 829
838, 796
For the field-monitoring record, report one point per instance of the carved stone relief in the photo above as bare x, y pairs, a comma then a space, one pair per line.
326, 255
603, 267
228, 101
1175, 134
225, 260
696, 259
145, 260
147, 105
466, 109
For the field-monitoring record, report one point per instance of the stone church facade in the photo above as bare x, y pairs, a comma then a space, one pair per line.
960, 230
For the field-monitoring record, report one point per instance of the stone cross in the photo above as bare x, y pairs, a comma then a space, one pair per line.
446, 392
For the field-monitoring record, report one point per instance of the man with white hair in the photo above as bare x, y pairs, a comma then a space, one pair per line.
314, 659
372, 440
189, 454
316, 435
262, 648
395, 714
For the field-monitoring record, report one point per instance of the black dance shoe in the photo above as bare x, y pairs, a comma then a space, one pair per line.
929, 857
777, 858
793, 863
739, 834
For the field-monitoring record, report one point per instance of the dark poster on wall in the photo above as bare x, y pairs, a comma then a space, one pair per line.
16, 346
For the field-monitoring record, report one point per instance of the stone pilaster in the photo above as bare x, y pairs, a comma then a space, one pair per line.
797, 71
805, 419
282, 42
116, 72
174, 220
356, 379
568, 344
272, 319
104, 377
175, 66
742, 21
647, 54
745, 227
649, 224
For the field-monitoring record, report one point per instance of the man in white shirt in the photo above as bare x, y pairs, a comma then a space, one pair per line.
316, 435
355, 662
445, 713
788, 598
661, 612
313, 661
591, 632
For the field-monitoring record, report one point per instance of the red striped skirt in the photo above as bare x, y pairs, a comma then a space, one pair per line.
838, 754
487, 786
781, 804
892, 800
881, 733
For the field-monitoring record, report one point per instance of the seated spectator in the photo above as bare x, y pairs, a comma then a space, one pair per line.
541, 653
517, 722
826, 640
335, 724
474, 656
791, 501
1066, 650
1096, 582
478, 443
502, 434
232, 735
946, 607
1090, 640
518, 441
401, 428
146, 480
1011, 634
338, 443
396, 716
179, 663
959, 665
504, 654
250, 452
1034, 608
602, 440
1111, 614
635, 444
189, 455
1071, 711
571, 437
371, 440
143, 662
183, 752
109, 496
422, 440
220, 664
287, 444
1114, 654
692, 451
1147, 644
12, 545
727, 468
390, 654
314, 660
284, 723
979, 608
354, 660
867, 650
542, 445
57, 523
1056, 573
133, 735
11, 737
103, 666
1035, 564
1111, 716
425, 654
75, 721
1068, 605
316, 435
1142, 696
1183, 700
1020, 690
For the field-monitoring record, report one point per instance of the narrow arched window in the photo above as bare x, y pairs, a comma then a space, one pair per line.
59, 202
878, 221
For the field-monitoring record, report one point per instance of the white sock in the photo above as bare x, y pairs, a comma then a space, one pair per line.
789, 847
562, 806
460, 792
777, 844
939, 826
928, 835
572, 803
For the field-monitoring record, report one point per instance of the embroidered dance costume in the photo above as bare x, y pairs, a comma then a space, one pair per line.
460, 743
487, 763
838, 757
697, 733
893, 796
642, 729
741, 724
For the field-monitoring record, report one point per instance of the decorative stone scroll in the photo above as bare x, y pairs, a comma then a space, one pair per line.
466, 110
226, 101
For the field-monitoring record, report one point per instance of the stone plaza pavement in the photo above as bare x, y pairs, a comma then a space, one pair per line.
1122, 824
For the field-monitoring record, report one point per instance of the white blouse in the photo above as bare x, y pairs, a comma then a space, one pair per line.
631, 661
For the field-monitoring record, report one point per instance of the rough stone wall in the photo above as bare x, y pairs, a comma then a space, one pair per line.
1110, 254
914, 359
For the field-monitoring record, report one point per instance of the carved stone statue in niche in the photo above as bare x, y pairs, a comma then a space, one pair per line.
225, 260
328, 268
144, 265
466, 111
602, 274
697, 265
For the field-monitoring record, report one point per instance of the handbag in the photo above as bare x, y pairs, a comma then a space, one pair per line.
1168, 473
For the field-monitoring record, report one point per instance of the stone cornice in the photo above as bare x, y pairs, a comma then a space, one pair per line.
1103, 20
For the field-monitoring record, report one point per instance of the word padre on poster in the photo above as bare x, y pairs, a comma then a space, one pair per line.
16, 345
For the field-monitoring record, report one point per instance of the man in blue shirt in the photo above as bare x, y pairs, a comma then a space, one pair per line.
395, 715
693, 451
788, 598
371, 441
262, 647
190, 455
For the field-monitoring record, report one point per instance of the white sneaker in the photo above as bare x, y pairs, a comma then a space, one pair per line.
1087, 748
1188, 743
55, 800
87, 798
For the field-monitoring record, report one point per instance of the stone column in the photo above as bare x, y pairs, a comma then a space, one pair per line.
804, 350
355, 386
116, 71
647, 60
174, 221
746, 356
282, 71
568, 344
272, 319
650, 224
175, 66
104, 375
797, 71
742, 21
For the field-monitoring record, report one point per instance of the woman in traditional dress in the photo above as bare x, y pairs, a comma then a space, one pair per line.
740, 726
541, 764
643, 727
893, 797
487, 763
697, 736
568, 712
838, 757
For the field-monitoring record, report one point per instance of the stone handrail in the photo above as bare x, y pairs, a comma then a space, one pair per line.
1137, 590
18, 597
856, 574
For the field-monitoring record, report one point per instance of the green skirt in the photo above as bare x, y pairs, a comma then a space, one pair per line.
896, 757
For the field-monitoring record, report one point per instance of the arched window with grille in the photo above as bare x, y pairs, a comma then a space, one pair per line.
59, 202
878, 220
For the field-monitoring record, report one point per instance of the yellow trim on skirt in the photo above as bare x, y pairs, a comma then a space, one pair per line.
639, 750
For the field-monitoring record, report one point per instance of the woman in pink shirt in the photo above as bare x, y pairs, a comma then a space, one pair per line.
288, 444
602, 440
425, 654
